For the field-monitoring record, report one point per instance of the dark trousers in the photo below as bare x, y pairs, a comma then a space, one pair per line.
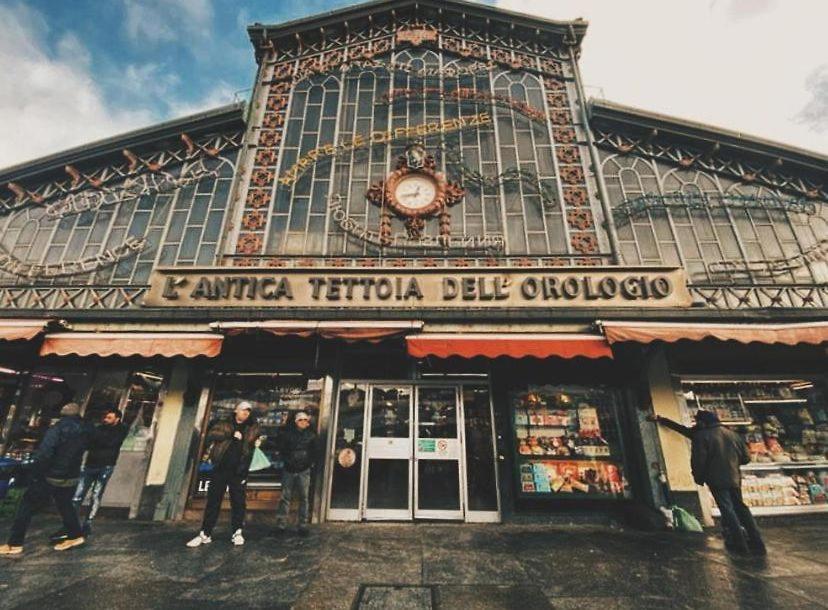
35, 499
299, 482
738, 526
219, 482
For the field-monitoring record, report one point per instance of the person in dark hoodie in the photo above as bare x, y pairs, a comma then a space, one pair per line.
717, 454
104, 448
298, 446
56, 469
233, 442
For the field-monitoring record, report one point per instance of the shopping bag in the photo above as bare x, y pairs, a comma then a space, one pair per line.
684, 521
260, 461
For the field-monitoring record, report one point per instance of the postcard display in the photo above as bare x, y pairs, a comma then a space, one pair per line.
568, 443
785, 426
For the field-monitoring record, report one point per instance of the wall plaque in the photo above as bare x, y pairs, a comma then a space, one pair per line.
418, 288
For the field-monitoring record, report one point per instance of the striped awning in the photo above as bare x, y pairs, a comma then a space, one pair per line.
188, 345
813, 333
512, 345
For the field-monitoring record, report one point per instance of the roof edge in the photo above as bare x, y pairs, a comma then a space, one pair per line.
613, 111
208, 119
259, 31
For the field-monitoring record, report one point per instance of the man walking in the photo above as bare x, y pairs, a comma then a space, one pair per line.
56, 469
232, 450
104, 447
298, 446
717, 453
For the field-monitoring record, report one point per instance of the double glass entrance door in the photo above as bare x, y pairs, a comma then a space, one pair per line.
401, 453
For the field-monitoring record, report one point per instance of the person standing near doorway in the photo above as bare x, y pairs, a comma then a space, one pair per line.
104, 448
56, 470
299, 447
233, 442
717, 454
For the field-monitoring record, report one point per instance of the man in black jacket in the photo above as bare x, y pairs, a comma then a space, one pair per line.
57, 464
298, 446
717, 454
233, 442
104, 447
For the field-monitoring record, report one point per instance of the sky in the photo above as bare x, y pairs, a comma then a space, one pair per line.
76, 71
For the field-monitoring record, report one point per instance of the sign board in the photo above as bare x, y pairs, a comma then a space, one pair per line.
491, 288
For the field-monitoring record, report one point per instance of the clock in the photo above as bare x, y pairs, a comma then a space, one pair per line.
415, 192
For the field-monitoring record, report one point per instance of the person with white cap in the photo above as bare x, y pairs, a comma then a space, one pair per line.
233, 442
298, 446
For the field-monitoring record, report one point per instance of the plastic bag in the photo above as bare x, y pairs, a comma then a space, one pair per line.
684, 521
259, 461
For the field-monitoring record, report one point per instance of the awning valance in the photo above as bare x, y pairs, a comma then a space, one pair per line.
14, 329
812, 333
371, 331
168, 345
490, 345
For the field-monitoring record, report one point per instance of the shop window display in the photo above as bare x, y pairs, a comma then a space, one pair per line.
568, 443
785, 426
275, 398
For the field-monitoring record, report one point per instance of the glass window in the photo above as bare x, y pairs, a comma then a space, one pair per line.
275, 399
348, 446
784, 424
568, 443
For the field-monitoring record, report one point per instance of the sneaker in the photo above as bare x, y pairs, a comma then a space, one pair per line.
237, 538
87, 528
58, 536
7, 549
303, 531
279, 529
70, 543
202, 538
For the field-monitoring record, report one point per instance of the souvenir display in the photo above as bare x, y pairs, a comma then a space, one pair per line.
566, 439
785, 426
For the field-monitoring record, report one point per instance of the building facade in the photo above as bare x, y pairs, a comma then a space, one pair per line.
478, 282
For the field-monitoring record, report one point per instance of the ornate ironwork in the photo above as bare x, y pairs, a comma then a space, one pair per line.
712, 161
71, 297
102, 178
791, 296
639, 206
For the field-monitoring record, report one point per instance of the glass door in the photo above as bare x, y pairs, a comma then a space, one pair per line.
437, 454
387, 494
346, 470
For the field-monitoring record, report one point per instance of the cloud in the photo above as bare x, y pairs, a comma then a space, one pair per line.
692, 61
815, 112
158, 21
738, 10
220, 94
49, 100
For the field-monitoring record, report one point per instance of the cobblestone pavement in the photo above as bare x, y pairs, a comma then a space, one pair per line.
146, 565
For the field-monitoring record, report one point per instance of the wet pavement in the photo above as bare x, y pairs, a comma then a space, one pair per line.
366, 566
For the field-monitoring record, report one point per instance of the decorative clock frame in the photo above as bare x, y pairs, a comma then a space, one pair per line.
415, 162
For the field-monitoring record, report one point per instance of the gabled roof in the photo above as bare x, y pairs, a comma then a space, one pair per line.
473, 13
215, 120
606, 114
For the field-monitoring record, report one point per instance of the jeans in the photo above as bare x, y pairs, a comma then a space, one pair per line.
299, 481
738, 526
219, 482
35, 499
94, 479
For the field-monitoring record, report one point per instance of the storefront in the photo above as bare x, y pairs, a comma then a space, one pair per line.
419, 231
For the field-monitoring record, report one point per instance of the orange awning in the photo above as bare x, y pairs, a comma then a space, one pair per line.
812, 333
371, 331
13, 329
537, 345
168, 345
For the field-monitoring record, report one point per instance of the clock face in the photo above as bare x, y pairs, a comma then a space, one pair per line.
415, 191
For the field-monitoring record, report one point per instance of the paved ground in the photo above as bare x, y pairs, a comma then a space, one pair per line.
145, 565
